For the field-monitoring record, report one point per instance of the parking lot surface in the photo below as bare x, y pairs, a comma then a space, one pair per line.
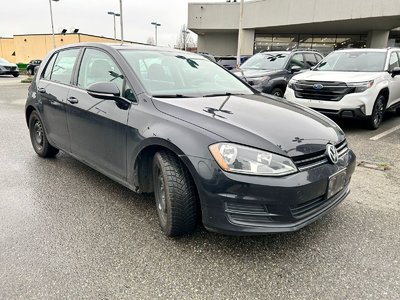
66, 231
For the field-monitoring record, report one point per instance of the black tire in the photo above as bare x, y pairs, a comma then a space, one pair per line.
175, 195
38, 137
15, 75
277, 92
398, 111
378, 111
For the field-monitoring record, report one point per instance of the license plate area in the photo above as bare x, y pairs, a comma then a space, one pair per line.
336, 183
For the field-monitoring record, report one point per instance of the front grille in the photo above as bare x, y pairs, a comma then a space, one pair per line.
305, 209
253, 214
328, 90
312, 160
10, 68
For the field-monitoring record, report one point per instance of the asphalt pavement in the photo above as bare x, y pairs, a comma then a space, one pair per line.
66, 231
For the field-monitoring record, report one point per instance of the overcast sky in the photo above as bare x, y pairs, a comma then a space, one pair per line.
90, 16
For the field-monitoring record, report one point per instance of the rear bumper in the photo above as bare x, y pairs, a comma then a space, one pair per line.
247, 205
9, 72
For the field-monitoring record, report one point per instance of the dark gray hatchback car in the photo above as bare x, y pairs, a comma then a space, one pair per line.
205, 143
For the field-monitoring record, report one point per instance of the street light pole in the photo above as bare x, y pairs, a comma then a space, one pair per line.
121, 20
114, 15
240, 34
185, 33
155, 25
52, 23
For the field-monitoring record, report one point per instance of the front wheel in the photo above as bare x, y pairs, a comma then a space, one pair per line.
15, 75
377, 113
175, 195
38, 137
277, 92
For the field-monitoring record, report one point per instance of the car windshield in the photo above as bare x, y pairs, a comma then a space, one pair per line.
3, 61
353, 61
179, 74
266, 61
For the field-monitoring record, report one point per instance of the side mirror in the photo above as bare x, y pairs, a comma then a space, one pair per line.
395, 71
295, 69
104, 90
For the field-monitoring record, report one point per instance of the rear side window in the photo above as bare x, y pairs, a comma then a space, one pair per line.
64, 65
297, 60
97, 66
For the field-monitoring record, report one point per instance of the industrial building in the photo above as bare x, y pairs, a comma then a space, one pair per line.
26, 47
324, 25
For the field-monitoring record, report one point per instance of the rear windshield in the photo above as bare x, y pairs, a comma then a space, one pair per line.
353, 61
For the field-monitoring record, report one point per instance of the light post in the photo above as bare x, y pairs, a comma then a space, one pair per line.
155, 25
52, 23
240, 34
114, 15
122, 23
185, 33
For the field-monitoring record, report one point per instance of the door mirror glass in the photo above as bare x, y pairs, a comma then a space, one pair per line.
104, 90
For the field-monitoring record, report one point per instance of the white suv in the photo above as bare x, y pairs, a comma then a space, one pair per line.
355, 83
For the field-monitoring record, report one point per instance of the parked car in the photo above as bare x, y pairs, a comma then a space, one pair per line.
230, 62
172, 123
7, 68
30, 68
270, 72
208, 56
351, 83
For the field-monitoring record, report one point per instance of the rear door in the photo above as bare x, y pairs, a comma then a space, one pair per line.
53, 88
98, 127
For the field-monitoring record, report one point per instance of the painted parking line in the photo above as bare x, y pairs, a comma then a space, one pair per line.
385, 133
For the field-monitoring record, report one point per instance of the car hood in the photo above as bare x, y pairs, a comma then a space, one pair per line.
249, 73
262, 122
8, 65
337, 76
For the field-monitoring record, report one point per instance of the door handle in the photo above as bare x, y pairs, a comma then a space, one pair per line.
72, 100
42, 90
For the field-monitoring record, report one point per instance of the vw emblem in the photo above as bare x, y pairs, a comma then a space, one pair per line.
318, 86
332, 153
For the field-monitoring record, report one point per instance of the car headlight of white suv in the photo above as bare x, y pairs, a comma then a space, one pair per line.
360, 87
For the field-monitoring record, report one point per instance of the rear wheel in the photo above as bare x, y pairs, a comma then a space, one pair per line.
377, 113
277, 92
15, 75
38, 137
398, 111
175, 195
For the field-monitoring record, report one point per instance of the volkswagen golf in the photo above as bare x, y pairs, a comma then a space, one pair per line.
173, 123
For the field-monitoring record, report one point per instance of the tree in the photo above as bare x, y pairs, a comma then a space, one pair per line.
185, 37
150, 40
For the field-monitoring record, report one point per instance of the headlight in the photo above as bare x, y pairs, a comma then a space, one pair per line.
258, 80
360, 87
291, 82
245, 160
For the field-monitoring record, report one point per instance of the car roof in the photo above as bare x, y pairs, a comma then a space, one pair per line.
366, 49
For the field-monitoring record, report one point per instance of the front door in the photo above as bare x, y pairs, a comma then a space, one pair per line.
98, 127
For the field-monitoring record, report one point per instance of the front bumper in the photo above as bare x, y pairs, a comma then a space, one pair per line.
243, 204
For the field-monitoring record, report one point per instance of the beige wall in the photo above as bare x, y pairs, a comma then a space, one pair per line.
28, 47
7, 48
217, 43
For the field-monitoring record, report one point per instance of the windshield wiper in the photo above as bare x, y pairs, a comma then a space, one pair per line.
173, 96
223, 94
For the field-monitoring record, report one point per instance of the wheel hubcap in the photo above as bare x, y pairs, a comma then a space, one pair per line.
161, 198
278, 94
38, 133
378, 113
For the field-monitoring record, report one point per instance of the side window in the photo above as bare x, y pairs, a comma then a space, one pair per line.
393, 61
310, 59
319, 57
297, 60
97, 66
49, 67
64, 65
